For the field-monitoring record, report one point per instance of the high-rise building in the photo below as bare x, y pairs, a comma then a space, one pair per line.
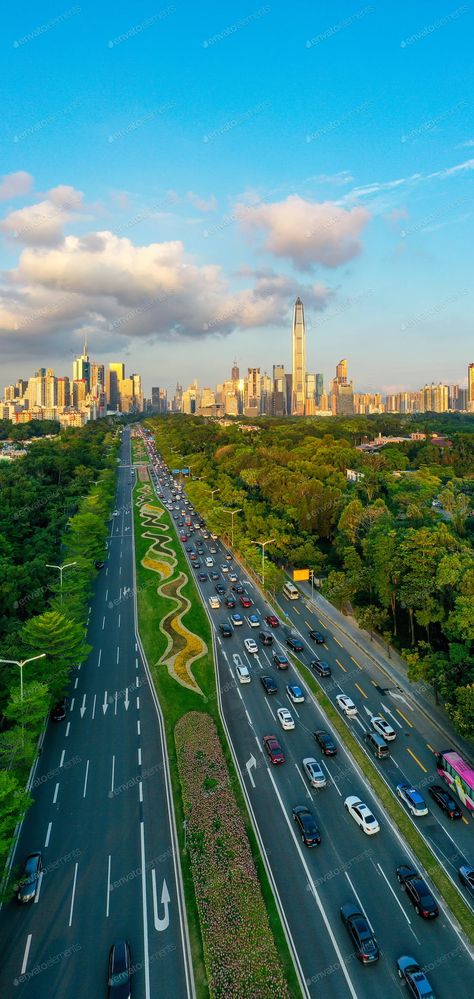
279, 390
115, 375
252, 392
342, 394
79, 392
319, 388
97, 375
341, 372
81, 368
235, 373
298, 359
64, 394
310, 407
191, 399
470, 388
50, 389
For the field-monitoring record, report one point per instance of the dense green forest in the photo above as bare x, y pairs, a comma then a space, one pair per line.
404, 566
54, 508
27, 431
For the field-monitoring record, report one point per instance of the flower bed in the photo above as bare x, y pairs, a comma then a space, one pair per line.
240, 953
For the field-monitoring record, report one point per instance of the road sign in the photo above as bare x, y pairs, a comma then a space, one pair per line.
300, 574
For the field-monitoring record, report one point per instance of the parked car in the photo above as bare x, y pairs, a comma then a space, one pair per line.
273, 749
445, 801
414, 978
360, 932
28, 884
119, 971
306, 823
418, 892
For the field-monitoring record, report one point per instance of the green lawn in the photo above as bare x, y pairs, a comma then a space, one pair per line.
176, 701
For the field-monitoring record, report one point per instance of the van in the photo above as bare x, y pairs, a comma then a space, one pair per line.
290, 591
377, 745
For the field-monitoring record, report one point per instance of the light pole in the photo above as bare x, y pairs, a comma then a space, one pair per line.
263, 545
214, 491
232, 513
21, 663
67, 565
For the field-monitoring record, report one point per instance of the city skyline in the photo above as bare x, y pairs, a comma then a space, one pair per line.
175, 226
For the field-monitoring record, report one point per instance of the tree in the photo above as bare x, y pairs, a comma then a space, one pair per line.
14, 802
63, 642
371, 618
462, 712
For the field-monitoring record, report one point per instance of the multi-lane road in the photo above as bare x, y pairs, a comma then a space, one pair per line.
102, 816
311, 885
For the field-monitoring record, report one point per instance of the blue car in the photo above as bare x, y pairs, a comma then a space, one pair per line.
236, 619
412, 798
411, 974
253, 621
295, 693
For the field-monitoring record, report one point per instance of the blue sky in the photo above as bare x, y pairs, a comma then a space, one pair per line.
174, 176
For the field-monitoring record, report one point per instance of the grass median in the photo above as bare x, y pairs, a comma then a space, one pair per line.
404, 824
178, 701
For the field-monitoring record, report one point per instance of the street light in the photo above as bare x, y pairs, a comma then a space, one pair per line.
21, 663
232, 513
67, 565
217, 490
263, 545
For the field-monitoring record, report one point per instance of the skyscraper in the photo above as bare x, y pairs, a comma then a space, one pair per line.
235, 373
81, 368
470, 388
299, 360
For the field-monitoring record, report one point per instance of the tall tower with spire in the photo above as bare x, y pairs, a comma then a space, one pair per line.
81, 368
298, 406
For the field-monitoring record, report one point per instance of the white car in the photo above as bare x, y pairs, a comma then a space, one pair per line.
214, 603
115, 513
362, 815
285, 718
250, 645
313, 771
346, 705
383, 728
213, 550
295, 693
243, 674
232, 577
224, 568
209, 563
214, 537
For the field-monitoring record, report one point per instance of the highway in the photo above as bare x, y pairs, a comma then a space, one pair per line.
312, 884
101, 816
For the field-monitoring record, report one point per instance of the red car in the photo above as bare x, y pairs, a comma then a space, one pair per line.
273, 748
245, 600
272, 620
281, 662
183, 537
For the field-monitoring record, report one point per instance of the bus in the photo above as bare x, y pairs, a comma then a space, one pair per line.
291, 591
458, 774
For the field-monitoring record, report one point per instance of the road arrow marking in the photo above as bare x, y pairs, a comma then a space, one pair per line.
105, 704
392, 716
126, 699
251, 764
368, 711
400, 697
160, 924
83, 706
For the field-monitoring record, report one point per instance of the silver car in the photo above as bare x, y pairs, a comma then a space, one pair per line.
314, 772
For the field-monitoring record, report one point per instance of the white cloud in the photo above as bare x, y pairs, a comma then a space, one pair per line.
202, 204
14, 185
306, 232
42, 224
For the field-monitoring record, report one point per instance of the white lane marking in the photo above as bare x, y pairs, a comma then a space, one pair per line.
103, 623
55, 798
62, 757
249, 718
138, 703
67, 729
118, 653
106, 595
119, 621
100, 654
140, 791
360, 903
108, 888
138, 727
300, 775
48, 834
82, 709
73, 894
76, 681
85, 779
38, 890
120, 567
107, 571
400, 906
72, 704
331, 778
25, 955
93, 707
270, 710
145, 913
113, 776
139, 757
115, 711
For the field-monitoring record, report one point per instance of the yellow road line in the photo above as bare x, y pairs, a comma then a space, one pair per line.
340, 664
430, 747
355, 661
465, 820
337, 640
374, 683
362, 692
416, 760
296, 610
405, 719
308, 625
325, 646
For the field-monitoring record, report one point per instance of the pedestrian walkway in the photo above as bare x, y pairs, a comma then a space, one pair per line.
393, 665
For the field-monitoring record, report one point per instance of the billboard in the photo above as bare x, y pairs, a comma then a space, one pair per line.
300, 574
180, 471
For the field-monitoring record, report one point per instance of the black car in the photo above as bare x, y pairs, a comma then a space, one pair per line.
266, 638
119, 971
58, 712
418, 892
197, 564
317, 637
445, 801
237, 587
99, 564
295, 643
320, 667
229, 601
326, 742
189, 549
360, 932
203, 577
28, 884
225, 630
220, 589
309, 831
215, 575
269, 684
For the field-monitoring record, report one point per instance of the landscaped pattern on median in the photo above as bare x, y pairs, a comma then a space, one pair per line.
183, 647
240, 953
